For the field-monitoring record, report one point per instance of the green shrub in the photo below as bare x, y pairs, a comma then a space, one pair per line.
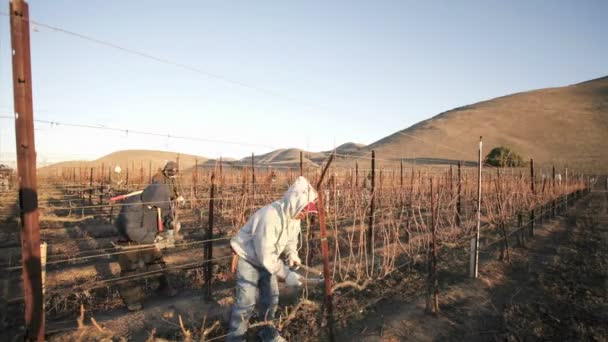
504, 157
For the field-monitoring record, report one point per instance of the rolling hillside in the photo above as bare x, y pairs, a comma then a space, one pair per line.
555, 125
130, 158
564, 125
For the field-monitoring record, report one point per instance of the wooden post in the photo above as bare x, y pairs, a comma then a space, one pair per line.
209, 244
356, 174
195, 178
401, 174
26, 169
150, 172
475, 266
567, 190
91, 187
221, 170
252, 180
432, 302
459, 196
533, 190
370, 226
553, 201
301, 164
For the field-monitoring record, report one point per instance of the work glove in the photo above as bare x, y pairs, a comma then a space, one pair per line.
283, 271
293, 279
294, 261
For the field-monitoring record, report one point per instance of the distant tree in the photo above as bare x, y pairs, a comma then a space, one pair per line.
504, 157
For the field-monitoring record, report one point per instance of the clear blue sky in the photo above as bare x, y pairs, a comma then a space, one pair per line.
344, 70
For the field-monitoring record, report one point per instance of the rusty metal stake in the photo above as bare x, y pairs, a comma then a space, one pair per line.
325, 252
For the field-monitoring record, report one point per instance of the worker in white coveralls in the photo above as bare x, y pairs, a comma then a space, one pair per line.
271, 231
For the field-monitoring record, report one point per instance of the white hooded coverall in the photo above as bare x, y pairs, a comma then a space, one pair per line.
270, 231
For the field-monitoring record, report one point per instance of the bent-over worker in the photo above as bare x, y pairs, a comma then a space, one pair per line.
270, 231
147, 224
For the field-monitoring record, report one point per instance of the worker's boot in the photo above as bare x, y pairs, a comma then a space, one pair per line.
130, 291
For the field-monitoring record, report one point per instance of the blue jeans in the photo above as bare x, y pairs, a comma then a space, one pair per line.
249, 279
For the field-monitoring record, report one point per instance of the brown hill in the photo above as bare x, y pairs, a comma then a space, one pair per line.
130, 159
565, 125
349, 147
287, 157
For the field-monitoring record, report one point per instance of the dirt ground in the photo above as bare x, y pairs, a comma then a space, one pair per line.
554, 288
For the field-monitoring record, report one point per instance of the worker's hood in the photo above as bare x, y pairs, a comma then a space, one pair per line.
297, 197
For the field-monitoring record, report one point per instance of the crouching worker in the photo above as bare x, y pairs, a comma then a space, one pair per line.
271, 231
146, 225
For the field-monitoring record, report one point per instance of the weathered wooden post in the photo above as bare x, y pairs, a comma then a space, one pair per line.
474, 264
356, 174
401, 193
253, 181
459, 197
567, 192
195, 178
209, 243
91, 187
432, 302
26, 169
553, 200
534, 201
370, 227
